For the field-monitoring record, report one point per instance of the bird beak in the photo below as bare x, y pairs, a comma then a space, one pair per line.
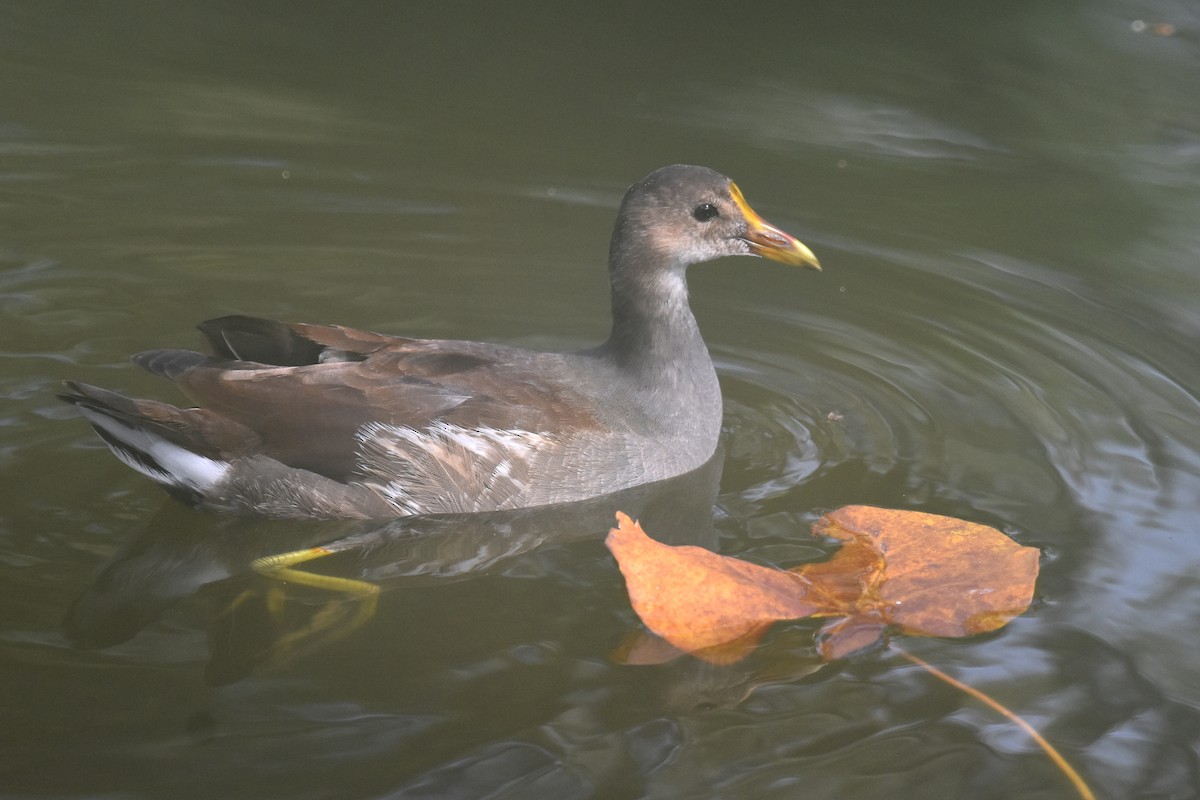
768, 241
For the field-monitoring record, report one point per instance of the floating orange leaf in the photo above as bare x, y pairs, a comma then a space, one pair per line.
940, 576
696, 599
922, 574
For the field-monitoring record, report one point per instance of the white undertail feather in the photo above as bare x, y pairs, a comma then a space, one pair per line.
180, 467
447, 468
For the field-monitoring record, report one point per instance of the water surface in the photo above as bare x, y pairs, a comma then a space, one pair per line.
1005, 202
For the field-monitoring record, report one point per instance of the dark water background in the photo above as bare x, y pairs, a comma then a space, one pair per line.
1006, 198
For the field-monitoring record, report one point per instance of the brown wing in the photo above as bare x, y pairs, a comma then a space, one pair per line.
309, 416
282, 344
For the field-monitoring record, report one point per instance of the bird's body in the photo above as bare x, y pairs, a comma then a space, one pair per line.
299, 420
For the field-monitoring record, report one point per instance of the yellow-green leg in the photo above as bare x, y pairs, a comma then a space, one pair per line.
279, 567
329, 623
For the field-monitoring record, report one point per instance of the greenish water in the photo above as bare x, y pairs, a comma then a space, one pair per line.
1005, 199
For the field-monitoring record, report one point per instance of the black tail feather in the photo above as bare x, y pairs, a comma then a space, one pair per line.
263, 341
193, 429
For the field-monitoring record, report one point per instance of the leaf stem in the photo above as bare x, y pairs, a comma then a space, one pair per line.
1080, 786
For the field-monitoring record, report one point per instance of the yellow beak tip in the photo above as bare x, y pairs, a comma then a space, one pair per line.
770, 242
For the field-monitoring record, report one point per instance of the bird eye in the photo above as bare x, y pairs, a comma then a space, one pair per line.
704, 212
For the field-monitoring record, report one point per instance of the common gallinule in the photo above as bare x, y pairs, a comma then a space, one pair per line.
300, 420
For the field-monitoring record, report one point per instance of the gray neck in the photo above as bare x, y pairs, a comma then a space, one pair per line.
656, 342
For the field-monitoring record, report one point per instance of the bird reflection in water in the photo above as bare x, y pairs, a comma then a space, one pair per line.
278, 604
